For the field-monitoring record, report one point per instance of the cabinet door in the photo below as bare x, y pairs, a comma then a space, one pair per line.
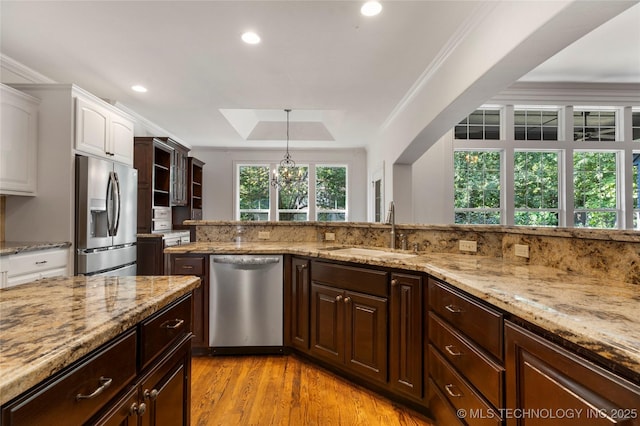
299, 304
120, 146
92, 127
18, 143
366, 335
165, 390
327, 323
405, 339
541, 375
124, 412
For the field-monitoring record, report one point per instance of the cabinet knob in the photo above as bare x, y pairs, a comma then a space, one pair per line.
347, 299
152, 395
338, 298
137, 409
394, 282
303, 266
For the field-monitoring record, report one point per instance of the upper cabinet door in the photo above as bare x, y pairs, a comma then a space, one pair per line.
18, 143
121, 139
92, 125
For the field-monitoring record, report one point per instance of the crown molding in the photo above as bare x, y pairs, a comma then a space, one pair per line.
15, 67
540, 93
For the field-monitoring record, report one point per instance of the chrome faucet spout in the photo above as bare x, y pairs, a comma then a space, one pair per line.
391, 220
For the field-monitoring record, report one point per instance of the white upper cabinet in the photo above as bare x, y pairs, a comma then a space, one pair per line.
102, 132
18, 142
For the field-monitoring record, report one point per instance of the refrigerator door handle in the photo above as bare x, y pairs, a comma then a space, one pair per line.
109, 202
118, 199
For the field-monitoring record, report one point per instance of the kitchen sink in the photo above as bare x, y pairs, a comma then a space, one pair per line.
381, 254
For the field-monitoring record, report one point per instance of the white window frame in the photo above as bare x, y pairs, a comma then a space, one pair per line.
236, 190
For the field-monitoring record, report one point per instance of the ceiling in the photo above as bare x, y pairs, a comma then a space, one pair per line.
341, 73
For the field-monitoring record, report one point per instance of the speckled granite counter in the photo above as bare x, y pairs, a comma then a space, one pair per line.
14, 247
48, 324
601, 316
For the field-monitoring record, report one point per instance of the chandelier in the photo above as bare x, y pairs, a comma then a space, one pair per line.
286, 174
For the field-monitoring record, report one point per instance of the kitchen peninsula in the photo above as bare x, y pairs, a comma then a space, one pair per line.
492, 329
61, 327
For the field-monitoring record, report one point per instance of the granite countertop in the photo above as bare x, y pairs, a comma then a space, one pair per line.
599, 316
50, 323
15, 247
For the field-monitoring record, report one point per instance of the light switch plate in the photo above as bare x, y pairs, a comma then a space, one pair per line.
264, 235
471, 246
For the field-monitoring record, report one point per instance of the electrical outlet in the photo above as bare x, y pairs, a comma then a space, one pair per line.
329, 236
465, 245
264, 235
522, 250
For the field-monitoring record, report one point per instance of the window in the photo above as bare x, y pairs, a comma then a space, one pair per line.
293, 199
636, 190
331, 193
317, 192
536, 190
635, 125
477, 187
536, 125
594, 126
480, 124
595, 189
253, 188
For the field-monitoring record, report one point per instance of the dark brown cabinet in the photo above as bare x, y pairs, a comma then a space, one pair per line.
141, 377
192, 209
150, 259
196, 264
349, 327
464, 356
544, 376
297, 299
405, 335
178, 173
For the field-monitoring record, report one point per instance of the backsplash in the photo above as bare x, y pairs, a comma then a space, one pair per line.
607, 254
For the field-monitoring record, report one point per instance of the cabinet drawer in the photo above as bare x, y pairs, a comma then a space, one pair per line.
188, 265
480, 323
459, 393
163, 329
351, 278
81, 392
484, 374
41, 260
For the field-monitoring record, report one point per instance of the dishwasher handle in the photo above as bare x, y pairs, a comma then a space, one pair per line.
246, 260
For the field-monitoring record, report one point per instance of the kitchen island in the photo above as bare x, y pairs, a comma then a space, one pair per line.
49, 324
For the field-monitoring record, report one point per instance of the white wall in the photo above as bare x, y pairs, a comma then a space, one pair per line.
218, 196
432, 176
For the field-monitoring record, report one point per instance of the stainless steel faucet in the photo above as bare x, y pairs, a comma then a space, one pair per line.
391, 220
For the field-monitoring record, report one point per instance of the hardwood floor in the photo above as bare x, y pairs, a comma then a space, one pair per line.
284, 390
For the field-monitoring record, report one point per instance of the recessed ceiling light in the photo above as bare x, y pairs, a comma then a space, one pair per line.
139, 88
251, 38
371, 8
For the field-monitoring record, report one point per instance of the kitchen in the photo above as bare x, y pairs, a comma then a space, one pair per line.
401, 141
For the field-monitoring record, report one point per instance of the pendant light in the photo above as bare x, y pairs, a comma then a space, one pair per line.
285, 175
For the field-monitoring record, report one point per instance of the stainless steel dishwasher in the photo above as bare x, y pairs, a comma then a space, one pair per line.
246, 304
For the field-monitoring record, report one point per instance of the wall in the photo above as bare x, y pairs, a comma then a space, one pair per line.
432, 176
218, 196
2, 204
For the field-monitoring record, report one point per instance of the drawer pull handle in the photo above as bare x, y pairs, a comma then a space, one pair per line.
104, 383
450, 392
172, 324
453, 309
450, 349
187, 266
137, 409
41, 262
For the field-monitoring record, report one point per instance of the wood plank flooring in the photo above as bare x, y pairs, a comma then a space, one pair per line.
284, 390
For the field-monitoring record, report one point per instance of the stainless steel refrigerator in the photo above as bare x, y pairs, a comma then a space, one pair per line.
106, 212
